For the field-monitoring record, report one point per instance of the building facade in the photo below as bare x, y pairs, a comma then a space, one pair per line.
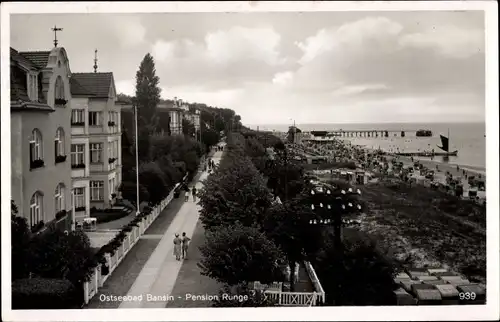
41, 135
95, 141
194, 118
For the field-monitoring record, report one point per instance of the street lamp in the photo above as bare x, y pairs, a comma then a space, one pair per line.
73, 220
136, 159
330, 206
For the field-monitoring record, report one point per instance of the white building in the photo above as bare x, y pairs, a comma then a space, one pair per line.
40, 127
95, 141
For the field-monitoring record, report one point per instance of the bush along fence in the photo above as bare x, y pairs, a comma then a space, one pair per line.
111, 254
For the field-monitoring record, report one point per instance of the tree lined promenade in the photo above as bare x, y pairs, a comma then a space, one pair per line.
252, 237
51, 268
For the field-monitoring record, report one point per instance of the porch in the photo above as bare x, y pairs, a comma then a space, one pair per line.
308, 290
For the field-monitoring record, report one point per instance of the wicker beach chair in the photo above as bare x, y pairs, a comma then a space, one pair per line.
478, 290
449, 294
404, 298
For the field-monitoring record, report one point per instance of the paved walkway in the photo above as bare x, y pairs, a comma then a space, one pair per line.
158, 276
190, 281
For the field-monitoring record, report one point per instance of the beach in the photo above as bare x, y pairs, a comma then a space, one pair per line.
439, 172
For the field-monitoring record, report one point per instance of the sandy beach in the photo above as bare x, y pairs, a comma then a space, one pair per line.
440, 172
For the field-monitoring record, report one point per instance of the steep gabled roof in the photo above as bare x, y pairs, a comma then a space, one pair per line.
38, 58
77, 89
17, 57
98, 84
19, 99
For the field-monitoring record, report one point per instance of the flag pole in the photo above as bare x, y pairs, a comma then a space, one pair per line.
136, 160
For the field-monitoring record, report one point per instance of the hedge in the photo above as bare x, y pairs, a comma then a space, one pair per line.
117, 241
43, 293
107, 216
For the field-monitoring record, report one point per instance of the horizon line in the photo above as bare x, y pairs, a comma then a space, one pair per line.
394, 122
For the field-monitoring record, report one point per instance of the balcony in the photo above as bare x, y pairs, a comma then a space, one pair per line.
97, 167
78, 170
96, 129
78, 128
308, 289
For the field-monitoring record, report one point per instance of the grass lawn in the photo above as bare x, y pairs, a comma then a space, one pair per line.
419, 226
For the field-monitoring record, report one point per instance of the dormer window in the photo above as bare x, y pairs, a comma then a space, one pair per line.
32, 81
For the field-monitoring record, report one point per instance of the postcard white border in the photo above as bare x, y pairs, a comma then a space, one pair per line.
489, 311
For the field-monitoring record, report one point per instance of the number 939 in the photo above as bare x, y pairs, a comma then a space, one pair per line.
467, 295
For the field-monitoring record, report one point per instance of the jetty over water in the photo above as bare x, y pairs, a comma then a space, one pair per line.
362, 133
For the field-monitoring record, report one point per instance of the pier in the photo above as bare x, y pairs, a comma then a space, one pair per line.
426, 154
363, 133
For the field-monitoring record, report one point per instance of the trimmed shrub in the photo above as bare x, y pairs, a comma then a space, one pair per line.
43, 293
107, 216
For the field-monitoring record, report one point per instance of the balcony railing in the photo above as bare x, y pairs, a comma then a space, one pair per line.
60, 102
35, 164
60, 158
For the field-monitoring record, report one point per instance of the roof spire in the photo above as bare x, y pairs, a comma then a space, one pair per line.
95, 61
55, 30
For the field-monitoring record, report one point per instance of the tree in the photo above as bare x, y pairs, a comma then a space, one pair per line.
20, 240
219, 124
128, 190
124, 98
209, 137
55, 254
188, 128
153, 178
144, 143
191, 160
286, 178
147, 91
236, 192
160, 146
237, 254
361, 275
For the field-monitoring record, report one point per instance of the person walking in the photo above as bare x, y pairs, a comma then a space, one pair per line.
194, 193
177, 247
185, 244
186, 194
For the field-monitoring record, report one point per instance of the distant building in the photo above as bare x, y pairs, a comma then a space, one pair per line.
95, 141
41, 135
195, 119
170, 115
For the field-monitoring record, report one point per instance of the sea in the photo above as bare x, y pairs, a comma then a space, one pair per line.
468, 138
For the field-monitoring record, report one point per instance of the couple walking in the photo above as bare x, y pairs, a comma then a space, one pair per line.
181, 246
186, 195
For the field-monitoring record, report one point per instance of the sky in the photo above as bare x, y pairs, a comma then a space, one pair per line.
272, 68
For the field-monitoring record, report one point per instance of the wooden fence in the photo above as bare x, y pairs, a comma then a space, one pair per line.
97, 280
